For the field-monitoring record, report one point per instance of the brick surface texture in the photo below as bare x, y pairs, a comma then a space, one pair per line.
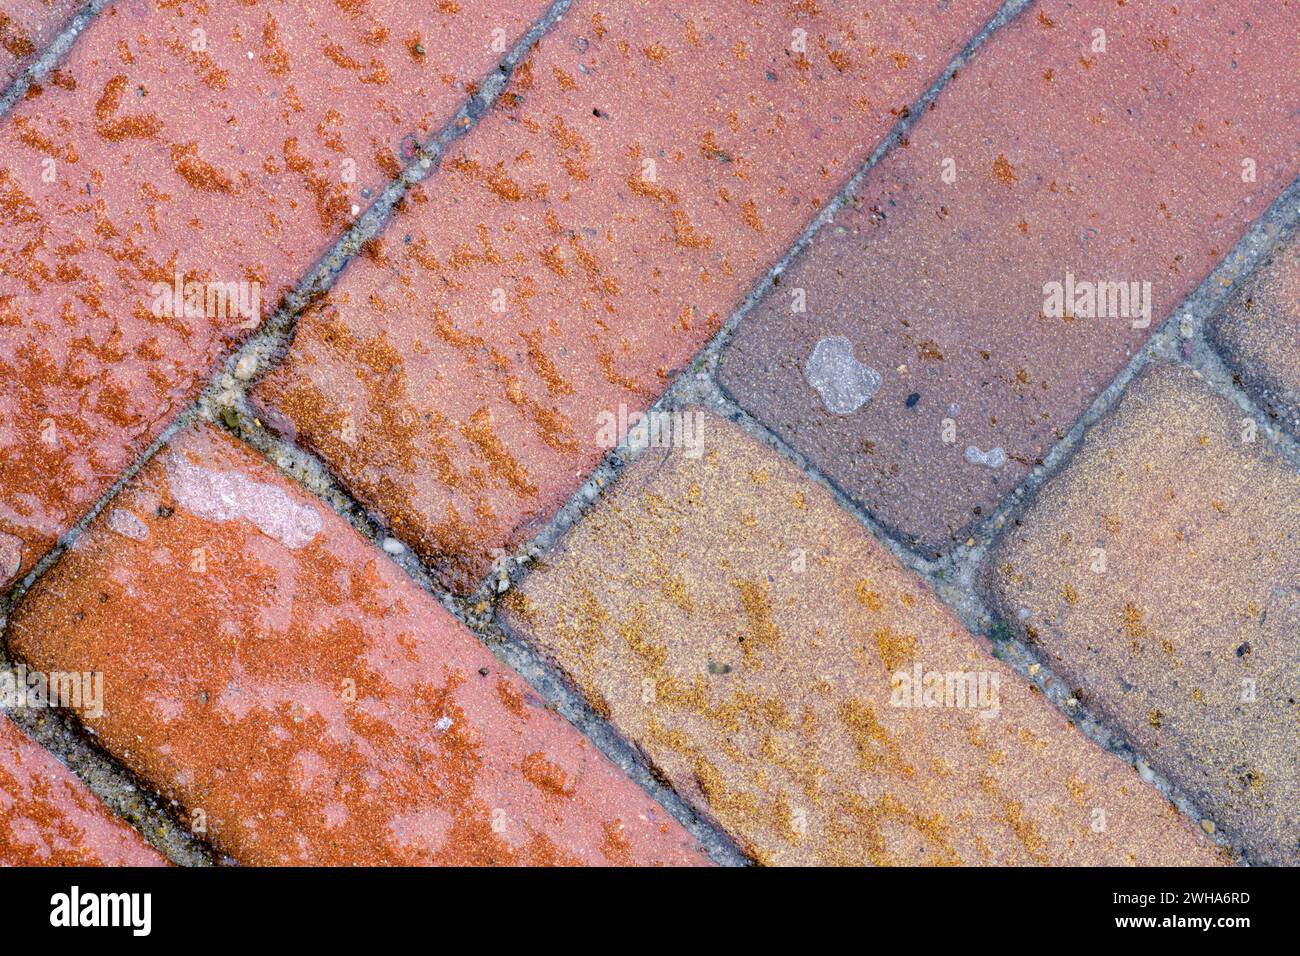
26, 28
1117, 166
49, 818
746, 632
1258, 332
619, 203
783, 432
306, 696
1161, 574
206, 141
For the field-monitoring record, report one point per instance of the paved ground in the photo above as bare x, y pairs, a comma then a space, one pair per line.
969, 526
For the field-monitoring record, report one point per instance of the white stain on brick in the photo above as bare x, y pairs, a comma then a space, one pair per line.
228, 495
127, 525
993, 458
844, 383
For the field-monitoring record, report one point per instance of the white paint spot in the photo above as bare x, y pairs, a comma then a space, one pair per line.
993, 458
228, 495
127, 525
245, 367
442, 726
844, 383
393, 546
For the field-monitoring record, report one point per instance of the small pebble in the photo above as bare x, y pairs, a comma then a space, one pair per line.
245, 367
1145, 771
1207, 825
393, 546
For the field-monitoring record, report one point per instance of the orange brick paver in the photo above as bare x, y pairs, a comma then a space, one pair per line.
49, 818
748, 634
303, 699
647, 164
1161, 576
224, 143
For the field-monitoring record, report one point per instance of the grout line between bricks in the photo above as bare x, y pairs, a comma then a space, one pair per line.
125, 795
224, 401
110, 780
953, 577
51, 56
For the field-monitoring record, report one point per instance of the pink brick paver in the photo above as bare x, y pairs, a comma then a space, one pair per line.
1258, 332
26, 28
224, 142
1142, 163
647, 163
1160, 575
746, 632
49, 818
267, 666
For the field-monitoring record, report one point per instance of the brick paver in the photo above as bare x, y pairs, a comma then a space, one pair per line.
928, 373
227, 143
745, 631
49, 818
302, 698
1160, 574
26, 28
1258, 333
645, 166
297, 698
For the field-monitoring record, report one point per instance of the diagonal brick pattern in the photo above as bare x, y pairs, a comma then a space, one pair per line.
218, 149
582, 244
1160, 574
948, 550
303, 699
1089, 143
736, 624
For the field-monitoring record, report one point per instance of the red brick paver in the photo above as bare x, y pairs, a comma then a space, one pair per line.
1258, 332
26, 28
1160, 574
227, 143
927, 376
748, 634
49, 818
645, 166
266, 666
